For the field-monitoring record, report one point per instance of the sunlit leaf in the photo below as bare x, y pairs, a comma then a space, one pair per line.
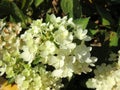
105, 22
47, 18
113, 39
93, 32
83, 22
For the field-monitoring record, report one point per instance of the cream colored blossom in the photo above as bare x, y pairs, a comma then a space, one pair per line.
107, 77
59, 43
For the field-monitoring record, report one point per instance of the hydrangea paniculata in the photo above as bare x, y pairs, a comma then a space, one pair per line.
107, 77
58, 43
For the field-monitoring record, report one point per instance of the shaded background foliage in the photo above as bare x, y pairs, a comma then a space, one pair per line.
100, 17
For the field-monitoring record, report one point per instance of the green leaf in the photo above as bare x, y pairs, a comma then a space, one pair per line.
93, 32
113, 39
17, 14
118, 30
83, 22
37, 60
23, 3
11, 80
28, 20
47, 18
29, 3
38, 2
26, 4
67, 7
12, 19
105, 22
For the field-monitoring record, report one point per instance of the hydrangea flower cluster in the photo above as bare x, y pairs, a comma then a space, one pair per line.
107, 77
59, 43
